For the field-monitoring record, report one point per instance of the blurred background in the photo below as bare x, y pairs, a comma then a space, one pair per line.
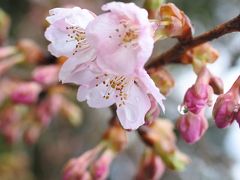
215, 156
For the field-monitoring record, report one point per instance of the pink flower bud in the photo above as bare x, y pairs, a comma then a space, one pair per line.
77, 168
161, 138
46, 75
227, 106
153, 112
223, 110
151, 167
48, 108
196, 98
26, 93
100, 168
217, 84
32, 51
192, 126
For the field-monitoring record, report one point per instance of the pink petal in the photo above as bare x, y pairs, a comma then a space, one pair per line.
128, 10
73, 71
132, 114
151, 88
94, 96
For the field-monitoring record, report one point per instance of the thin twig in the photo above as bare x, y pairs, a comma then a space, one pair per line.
175, 54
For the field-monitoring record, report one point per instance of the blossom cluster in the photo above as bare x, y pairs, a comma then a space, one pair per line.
193, 123
29, 104
106, 55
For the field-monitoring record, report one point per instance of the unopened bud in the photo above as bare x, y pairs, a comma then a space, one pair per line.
223, 110
100, 168
151, 167
26, 93
217, 84
115, 137
173, 23
200, 56
161, 138
162, 78
227, 106
196, 98
76, 168
192, 126
48, 108
32, 52
46, 75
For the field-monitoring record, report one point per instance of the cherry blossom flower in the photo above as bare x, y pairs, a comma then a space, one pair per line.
130, 93
67, 35
122, 37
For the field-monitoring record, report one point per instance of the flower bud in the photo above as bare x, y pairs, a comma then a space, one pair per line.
115, 137
76, 168
32, 52
151, 167
162, 78
192, 126
153, 112
46, 75
217, 84
196, 98
100, 168
173, 23
227, 106
200, 56
160, 136
26, 93
48, 108
224, 110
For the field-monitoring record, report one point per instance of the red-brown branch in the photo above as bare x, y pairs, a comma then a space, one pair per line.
174, 54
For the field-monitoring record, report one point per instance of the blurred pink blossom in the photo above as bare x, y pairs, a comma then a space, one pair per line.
151, 167
46, 75
48, 108
26, 93
101, 168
